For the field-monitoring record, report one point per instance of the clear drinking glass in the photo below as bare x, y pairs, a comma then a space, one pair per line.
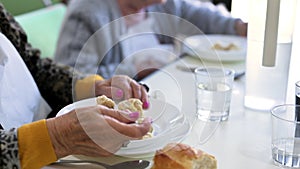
285, 135
213, 93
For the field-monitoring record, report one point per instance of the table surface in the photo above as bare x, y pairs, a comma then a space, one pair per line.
243, 141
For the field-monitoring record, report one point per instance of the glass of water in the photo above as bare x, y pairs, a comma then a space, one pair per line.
285, 137
213, 93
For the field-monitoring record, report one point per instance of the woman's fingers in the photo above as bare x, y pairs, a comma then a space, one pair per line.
123, 116
136, 89
123, 83
122, 87
140, 92
134, 130
104, 88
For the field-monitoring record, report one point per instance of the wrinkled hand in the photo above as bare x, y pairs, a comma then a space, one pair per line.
94, 131
121, 87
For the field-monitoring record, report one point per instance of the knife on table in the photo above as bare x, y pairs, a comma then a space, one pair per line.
136, 164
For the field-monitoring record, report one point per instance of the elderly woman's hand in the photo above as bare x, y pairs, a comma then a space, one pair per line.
122, 87
94, 131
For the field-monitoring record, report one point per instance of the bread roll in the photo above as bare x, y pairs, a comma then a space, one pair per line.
133, 105
181, 156
105, 101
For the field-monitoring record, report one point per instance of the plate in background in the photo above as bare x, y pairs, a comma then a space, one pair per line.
215, 47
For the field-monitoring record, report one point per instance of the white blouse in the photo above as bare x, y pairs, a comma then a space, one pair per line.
20, 99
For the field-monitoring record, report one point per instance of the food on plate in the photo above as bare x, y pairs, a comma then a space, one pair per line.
105, 101
132, 104
135, 105
182, 156
230, 46
150, 134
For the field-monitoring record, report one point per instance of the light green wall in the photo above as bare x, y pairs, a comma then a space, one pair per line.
42, 27
17, 7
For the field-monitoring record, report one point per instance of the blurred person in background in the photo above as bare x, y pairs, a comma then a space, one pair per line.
99, 36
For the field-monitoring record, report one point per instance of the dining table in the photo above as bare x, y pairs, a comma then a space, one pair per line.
241, 142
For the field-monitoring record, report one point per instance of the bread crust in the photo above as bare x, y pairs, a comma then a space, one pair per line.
182, 156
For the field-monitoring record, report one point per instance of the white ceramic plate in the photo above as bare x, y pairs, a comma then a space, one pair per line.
166, 119
169, 125
176, 134
163, 114
202, 47
79, 104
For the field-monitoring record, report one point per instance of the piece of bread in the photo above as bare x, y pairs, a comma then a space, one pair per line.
181, 156
105, 101
133, 105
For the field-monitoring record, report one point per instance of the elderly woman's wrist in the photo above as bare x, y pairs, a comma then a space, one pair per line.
57, 136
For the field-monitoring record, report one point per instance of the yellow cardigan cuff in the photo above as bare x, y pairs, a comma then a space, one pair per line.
35, 147
85, 88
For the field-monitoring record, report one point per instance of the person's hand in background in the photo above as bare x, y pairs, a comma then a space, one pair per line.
241, 28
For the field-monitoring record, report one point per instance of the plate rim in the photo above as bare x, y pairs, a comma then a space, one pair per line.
151, 149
